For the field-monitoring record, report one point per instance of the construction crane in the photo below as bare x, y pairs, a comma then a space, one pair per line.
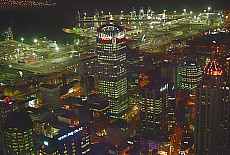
8, 34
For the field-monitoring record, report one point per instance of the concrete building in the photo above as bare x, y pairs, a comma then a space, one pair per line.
212, 112
50, 95
154, 102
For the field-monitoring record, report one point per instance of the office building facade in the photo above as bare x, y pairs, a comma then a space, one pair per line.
111, 49
66, 141
154, 106
18, 134
190, 74
50, 95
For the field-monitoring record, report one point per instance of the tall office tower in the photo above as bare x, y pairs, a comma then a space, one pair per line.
225, 118
172, 71
111, 48
191, 74
18, 134
88, 73
209, 110
132, 66
50, 95
154, 102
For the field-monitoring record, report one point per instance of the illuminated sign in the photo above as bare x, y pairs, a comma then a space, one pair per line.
32, 103
105, 38
120, 37
70, 133
164, 87
46, 143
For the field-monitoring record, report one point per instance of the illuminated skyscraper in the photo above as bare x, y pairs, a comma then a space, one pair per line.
212, 112
154, 105
191, 74
111, 48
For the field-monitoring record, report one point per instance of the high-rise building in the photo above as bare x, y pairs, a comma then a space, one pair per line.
88, 73
111, 49
154, 102
18, 134
50, 95
212, 111
171, 71
190, 74
132, 66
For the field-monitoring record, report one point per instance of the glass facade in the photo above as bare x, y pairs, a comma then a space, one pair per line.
111, 48
190, 74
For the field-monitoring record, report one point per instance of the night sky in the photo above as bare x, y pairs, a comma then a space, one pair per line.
49, 21
158, 5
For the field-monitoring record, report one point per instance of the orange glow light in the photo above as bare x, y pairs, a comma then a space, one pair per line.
105, 38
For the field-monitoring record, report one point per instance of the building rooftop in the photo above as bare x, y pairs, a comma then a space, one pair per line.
97, 103
36, 111
110, 28
6, 101
120, 123
213, 68
48, 86
190, 63
19, 120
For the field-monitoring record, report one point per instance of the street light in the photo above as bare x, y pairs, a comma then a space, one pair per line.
35, 42
57, 49
22, 39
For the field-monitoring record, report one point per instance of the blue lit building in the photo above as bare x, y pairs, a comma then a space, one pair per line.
111, 49
190, 74
66, 141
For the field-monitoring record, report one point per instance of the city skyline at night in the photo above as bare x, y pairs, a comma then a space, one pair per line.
114, 77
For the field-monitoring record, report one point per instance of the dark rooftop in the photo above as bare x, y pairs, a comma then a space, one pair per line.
19, 120
49, 86
120, 123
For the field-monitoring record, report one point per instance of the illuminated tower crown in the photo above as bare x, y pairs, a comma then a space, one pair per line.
213, 68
